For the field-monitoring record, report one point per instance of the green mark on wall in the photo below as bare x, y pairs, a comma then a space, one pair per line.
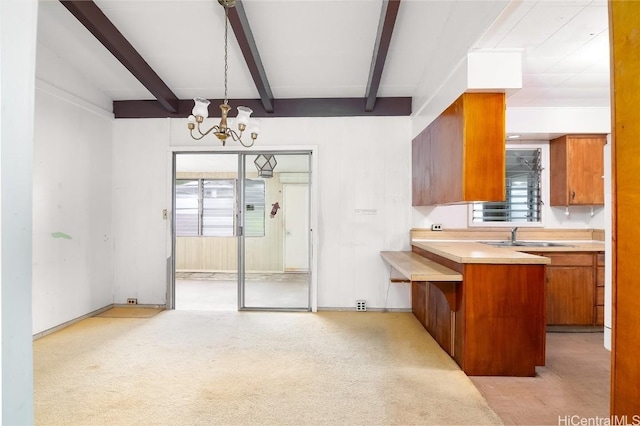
61, 235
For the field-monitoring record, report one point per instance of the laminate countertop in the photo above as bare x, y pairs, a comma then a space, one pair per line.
463, 251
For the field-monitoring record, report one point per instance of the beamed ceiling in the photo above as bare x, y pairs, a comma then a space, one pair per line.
292, 58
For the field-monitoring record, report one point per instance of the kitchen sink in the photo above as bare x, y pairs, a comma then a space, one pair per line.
524, 244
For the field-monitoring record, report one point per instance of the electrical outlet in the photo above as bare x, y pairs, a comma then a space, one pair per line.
132, 301
361, 305
436, 227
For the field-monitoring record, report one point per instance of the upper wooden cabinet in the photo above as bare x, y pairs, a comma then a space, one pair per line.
460, 157
576, 170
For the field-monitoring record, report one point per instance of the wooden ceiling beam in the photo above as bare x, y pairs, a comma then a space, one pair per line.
387, 21
244, 35
90, 15
306, 107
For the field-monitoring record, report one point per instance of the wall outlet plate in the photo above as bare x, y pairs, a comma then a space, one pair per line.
436, 227
132, 301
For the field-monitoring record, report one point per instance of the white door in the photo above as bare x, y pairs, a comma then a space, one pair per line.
296, 227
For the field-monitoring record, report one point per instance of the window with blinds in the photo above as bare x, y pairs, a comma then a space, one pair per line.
206, 207
218, 207
254, 208
188, 207
523, 202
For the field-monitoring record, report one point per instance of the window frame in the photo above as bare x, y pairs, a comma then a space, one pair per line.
544, 192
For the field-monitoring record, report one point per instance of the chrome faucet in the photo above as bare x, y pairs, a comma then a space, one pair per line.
513, 234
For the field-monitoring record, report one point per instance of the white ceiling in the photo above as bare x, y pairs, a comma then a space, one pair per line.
323, 48
565, 47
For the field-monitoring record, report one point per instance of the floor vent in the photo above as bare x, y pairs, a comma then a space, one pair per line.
361, 305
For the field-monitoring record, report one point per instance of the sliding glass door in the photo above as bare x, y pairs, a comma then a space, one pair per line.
241, 231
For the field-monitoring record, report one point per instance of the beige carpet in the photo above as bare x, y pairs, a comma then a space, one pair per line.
130, 312
253, 368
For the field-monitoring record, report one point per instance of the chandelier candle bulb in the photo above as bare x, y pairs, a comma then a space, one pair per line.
254, 129
191, 122
201, 108
243, 117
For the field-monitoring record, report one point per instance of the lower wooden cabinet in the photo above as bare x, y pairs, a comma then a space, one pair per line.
599, 310
431, 308
575, 288
570, 298
419, 300
491, 322
440, 319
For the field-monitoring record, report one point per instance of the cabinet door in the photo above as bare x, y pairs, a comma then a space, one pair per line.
600, 289
570, 295
439, 318
419, 301
585, 166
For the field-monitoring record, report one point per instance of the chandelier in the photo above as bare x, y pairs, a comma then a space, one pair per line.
201, 108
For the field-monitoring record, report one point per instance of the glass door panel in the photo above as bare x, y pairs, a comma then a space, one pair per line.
205, 240
274, 247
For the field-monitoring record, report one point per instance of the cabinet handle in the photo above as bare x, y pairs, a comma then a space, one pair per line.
573, 195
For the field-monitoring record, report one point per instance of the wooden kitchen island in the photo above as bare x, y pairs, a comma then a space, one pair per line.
492, 321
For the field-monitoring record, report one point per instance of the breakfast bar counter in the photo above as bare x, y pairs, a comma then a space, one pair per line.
491, 317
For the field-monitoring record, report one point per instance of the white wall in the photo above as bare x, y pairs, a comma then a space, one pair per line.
72, 250
364, 198
72, 195
141, 234
18, 23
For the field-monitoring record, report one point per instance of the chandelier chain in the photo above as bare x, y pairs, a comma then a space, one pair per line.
226, 65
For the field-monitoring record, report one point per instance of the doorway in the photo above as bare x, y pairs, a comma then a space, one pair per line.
230, 232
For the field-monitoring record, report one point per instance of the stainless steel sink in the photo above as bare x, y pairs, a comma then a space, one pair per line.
524, 244
542, 244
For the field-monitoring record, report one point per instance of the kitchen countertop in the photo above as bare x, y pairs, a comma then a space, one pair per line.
464, 251
474, 252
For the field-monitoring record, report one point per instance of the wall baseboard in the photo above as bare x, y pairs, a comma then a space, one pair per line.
129, 305
89, 315
368, 309
71, 322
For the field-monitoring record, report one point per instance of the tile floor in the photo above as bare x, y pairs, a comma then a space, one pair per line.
574, 382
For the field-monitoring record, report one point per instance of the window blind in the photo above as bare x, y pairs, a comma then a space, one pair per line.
207, 207
254, 208
218, 207
187, 208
